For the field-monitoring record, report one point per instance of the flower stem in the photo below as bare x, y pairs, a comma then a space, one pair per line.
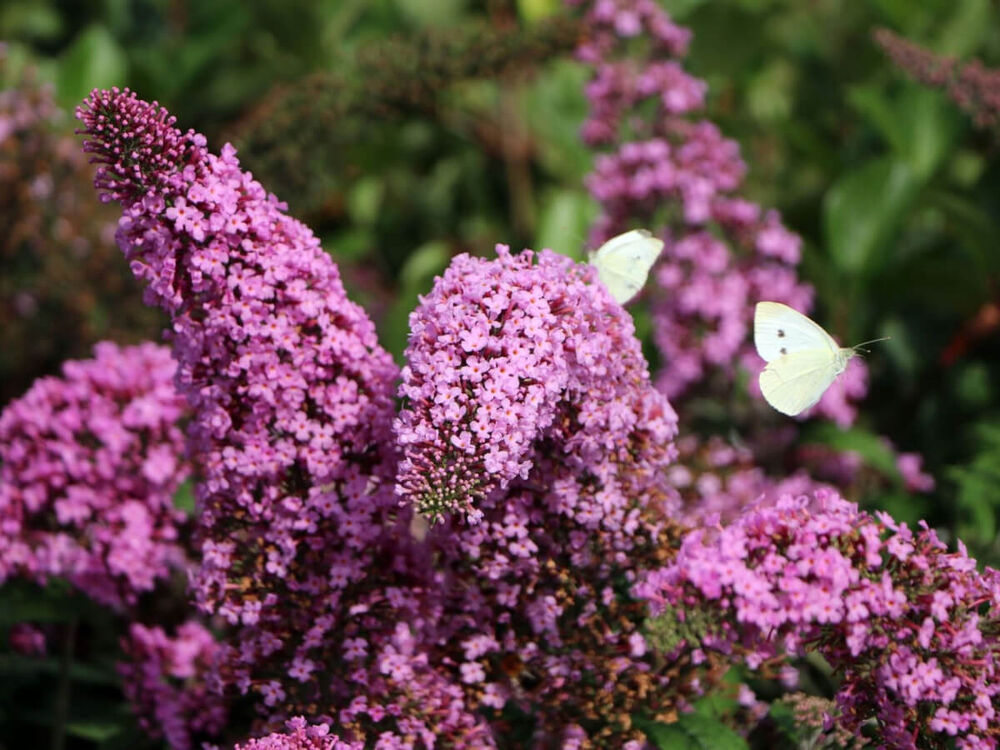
60, 712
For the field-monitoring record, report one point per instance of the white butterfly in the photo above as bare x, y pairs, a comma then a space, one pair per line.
623, 262
802, 359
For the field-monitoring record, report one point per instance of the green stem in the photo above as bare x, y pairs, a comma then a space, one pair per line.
60, 709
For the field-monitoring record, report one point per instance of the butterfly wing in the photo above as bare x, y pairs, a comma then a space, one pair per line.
778, 330
792, 383
623, 262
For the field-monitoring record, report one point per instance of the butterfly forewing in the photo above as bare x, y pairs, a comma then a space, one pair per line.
791, 383
621, 242
778, 331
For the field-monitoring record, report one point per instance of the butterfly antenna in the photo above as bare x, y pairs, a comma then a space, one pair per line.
873, 341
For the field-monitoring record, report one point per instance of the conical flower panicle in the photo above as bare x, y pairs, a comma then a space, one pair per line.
506, 354
529, 412
292, 402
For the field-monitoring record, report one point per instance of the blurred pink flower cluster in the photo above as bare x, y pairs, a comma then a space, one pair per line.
89, 464
63, 286
717, 481
911, 627
680, 176
166, 679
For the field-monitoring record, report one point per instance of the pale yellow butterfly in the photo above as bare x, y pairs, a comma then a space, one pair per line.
802, 359
623, 262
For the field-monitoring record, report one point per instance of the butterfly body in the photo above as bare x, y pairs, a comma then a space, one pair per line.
623, 262
802, 359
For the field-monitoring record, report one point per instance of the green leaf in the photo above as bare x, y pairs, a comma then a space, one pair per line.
974, 387
905, 15
978, 484
871, 102
424, 263
975, 227
680, 9
692, 732
416, 278
52, 603
13, 666
711, 734
184, 497
927, 124
350, 244
534, 11
364, 199
784, 718
94, 731
861, 213
722, 44
564, 218
919, 123
554, 108
437, 13
966, 166
667, 736
94, 60
770, 93
29, 19
965, 31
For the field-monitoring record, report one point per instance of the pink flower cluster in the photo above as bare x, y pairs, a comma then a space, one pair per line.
717, 481
300, 735
165, 679
504, 355
680, 176
912, 628
27, 639
89, 464
534, 608
304, 549
915, 479
411, 699
292, 396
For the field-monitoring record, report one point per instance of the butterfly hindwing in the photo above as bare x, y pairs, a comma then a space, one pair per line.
791, 383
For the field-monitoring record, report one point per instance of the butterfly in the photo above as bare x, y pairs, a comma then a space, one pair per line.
802, 359
623, 262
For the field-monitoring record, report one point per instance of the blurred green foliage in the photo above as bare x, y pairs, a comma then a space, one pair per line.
896, 196
406, 131
63, 284
74, 690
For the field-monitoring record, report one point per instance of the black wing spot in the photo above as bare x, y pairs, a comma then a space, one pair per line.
781, 333
784, 350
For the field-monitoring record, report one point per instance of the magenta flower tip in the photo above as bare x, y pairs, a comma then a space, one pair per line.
134, 142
